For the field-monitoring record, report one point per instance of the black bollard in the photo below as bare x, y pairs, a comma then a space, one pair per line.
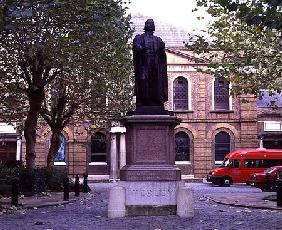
85, 183
279, 189
15, 192
76, 185
66, 189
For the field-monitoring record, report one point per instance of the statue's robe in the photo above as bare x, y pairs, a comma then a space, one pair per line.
150, 67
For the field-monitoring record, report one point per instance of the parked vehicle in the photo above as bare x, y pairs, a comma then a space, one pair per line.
238, 166
266, 180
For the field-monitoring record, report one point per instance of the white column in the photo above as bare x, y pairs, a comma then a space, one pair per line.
113, 172
19, 148
122, 151
261, 142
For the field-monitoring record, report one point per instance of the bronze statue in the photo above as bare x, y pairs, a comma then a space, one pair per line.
150, 68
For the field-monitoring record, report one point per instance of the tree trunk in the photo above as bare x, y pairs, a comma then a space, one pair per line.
35, 98
54, 147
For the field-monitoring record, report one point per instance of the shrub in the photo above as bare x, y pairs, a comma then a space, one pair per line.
54, 179
32, 181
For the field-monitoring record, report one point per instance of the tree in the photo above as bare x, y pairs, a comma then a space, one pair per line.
264, 13
245, 45
57, 46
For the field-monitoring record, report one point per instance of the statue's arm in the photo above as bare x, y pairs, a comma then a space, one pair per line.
137, 45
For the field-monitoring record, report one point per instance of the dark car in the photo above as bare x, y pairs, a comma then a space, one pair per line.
266, 181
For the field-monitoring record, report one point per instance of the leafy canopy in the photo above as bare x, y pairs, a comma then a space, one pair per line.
245, 45
82, 43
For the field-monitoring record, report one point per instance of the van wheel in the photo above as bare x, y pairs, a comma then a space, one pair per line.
227, 181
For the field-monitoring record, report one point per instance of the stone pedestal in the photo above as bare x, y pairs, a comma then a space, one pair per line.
150, 178
150, 148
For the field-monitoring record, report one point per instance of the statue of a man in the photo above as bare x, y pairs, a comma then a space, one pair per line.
150, 68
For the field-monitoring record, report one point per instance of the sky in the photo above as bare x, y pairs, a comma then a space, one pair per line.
175, 12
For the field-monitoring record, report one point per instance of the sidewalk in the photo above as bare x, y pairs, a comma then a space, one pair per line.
248, 200
51, 199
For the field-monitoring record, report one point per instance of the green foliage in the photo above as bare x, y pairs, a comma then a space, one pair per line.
80, 44
246, 53
83, 43
32, 181
262, 13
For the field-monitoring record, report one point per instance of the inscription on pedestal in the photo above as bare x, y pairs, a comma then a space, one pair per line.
150, 193
144, 193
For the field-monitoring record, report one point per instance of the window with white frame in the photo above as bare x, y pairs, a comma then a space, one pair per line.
222, 146
221, 94
182, 146
180, 94
60, 158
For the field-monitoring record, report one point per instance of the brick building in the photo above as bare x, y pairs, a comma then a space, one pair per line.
213, 123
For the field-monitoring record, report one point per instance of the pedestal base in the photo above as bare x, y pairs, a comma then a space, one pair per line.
151, 197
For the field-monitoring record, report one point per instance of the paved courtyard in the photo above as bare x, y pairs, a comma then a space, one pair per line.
90, 212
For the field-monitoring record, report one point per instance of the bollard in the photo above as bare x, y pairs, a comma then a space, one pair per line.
116, 205
185, 202
85, 183
15, 192
279, 189
66, 189
76, 185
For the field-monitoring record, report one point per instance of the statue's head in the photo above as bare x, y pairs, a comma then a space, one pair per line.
149, 25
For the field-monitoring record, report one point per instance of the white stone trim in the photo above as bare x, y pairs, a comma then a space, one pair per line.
272, 126
98, 163
98, 177
189, 94
122, 151
218, 162
189, 176
180, 68
6, 128
230, 97
19, 148
118, 130
183, 162
60, 163
212, 94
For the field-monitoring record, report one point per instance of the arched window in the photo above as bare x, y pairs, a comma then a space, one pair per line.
180, 94
98, 148
221, 94
222, 145
61, 154
182, 146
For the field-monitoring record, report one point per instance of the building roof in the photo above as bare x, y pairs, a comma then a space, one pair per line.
171, 35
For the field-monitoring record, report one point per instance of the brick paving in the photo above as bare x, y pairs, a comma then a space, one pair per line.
90, 212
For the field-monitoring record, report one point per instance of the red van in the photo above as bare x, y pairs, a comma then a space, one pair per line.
238, 166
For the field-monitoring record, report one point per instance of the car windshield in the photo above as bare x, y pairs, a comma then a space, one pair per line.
225, 163
269, 170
